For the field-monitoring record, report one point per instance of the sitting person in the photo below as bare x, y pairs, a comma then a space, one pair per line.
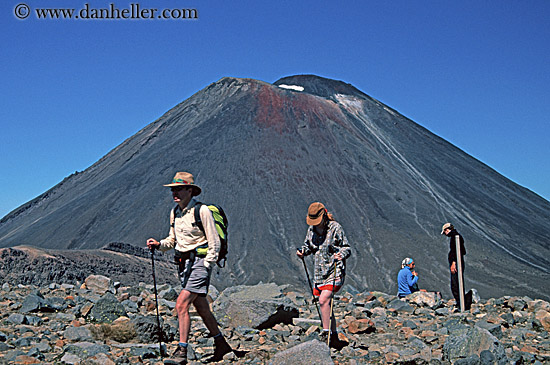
407, 278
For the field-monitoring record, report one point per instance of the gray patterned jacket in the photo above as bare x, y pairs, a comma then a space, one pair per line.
324, 247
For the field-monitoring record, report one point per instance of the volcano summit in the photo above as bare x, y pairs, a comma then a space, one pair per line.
264, 152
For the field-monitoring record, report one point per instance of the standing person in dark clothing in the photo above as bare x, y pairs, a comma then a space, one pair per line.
449, 230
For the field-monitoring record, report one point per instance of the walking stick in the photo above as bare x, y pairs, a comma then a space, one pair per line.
311, 289
156, 302
459, 268
332, 304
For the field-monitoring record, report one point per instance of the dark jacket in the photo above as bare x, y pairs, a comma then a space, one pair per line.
452, 247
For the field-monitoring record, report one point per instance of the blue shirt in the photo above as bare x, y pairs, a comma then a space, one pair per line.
405, 281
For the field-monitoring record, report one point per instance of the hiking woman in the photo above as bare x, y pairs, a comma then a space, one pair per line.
326, 239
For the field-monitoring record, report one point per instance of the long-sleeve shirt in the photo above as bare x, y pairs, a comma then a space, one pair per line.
185, 235
324, 247
452, 247
405, 281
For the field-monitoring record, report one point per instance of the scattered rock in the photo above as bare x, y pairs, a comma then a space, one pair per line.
494, 329
400, 306
169, 294
35, 302
311, 352
107, 309
99, 284
77, 334
363, 325
260, 306
17, 318
84, 350
265, 324
425, 299
147, 329
461, 345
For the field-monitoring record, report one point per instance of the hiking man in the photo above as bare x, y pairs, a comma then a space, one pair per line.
196, 253
407, 278
449, 230
326, 239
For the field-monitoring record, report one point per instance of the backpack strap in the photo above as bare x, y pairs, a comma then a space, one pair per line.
173, 216
198, 220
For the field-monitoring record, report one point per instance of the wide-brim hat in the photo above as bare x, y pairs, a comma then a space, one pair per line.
315, 213
185, 179
445, 226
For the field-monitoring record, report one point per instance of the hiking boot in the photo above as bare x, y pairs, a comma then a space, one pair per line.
179, 357
336, 343
323, 336
221, 347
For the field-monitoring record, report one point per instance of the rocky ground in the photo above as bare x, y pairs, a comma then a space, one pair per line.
105, 322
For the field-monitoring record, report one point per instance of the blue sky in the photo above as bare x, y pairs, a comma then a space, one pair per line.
476, 73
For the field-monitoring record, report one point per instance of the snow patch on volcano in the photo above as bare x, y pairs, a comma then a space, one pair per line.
292, 87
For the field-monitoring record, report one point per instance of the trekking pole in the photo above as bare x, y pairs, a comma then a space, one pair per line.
459, 272
311, 289
332, 305
156, 302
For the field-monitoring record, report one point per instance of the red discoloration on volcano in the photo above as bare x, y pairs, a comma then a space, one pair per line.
271, 105
284, 110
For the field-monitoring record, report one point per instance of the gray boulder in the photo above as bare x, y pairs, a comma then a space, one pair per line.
145, 352
83, 350
307, 353
25, 341
260, 306
147, 329
475, 296
494, 328
425, 299
400, 306
17, 318
470, 360
107, 309
517, 304
70, 358
34, 320
57, 303
35, 302
486, 357
78, 334
35, 353
456, 325
462, 345
99, 284
169, 294
11, 355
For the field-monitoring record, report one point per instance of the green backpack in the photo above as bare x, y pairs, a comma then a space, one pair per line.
220, 219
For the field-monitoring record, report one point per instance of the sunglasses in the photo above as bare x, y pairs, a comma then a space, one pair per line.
179, 188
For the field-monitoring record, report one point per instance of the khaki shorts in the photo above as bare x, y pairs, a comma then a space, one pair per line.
198, 279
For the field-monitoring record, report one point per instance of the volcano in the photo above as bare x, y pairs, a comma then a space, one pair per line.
264, 152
